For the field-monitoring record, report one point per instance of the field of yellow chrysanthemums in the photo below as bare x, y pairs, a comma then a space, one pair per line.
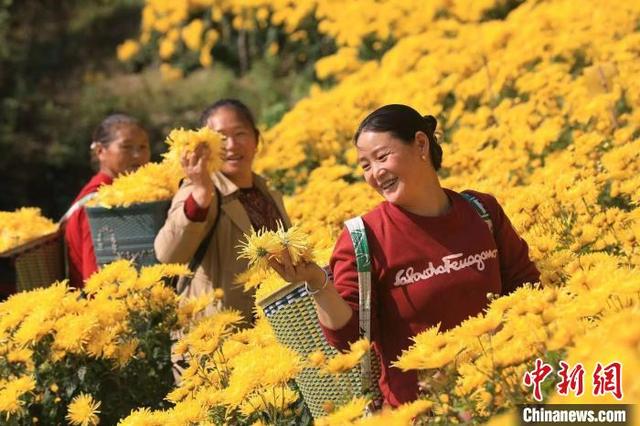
540, 108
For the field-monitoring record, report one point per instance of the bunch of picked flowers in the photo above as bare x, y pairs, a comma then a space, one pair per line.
160, 181
23, 225
262, 246
181, 141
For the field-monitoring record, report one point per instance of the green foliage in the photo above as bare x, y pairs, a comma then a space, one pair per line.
4, 28
47, 50
580, 61
606, 200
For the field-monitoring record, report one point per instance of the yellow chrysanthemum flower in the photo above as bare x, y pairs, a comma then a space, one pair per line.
127, 50
73, 331
192, 34
142, 417
479, 325
296, 241
343, 362
168, 72
402, 415
258, 367
35, 326
261, 335
206, 336
351, 411
317, 358
181, 141
12, 390
270, 398
125, 351
21, 355
252, 278
272, 283
150, 275
190, 308
83, 411
260, 246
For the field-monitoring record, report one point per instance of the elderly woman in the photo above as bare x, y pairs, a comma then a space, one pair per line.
119, 145
433, 257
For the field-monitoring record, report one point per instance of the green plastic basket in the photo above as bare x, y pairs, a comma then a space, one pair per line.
292, 315
127, 232
37, 263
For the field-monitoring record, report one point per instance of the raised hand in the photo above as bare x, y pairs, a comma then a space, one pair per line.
195, 168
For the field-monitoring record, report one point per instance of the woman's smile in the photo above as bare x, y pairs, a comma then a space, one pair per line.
389, 185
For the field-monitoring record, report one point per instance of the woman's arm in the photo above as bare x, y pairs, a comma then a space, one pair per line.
181, 234
516, 267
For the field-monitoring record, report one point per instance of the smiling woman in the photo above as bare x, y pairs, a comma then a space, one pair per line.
433, 257
214, 211
396, 168
119, 145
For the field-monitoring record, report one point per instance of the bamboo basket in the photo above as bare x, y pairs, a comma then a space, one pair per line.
37, 263
127, 232
292, 315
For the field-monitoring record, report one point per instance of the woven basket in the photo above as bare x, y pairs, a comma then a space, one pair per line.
292, 315
37, 263
127, 232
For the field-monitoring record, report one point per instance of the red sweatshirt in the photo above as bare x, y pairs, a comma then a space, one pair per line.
425, 271
80, 254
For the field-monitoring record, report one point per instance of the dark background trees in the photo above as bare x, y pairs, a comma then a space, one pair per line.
59, 77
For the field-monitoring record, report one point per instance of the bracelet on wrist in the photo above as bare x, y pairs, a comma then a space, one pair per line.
322, 287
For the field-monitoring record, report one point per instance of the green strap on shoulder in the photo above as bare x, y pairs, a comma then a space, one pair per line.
363, 264
360, 245
478, 207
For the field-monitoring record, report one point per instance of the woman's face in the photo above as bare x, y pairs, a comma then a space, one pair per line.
240, 142
391, 167
128, 150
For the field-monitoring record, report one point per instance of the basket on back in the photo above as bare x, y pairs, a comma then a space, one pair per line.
127, 232
37, 263
292, 315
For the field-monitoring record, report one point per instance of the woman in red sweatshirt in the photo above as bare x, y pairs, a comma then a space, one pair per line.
433, 257
119, 145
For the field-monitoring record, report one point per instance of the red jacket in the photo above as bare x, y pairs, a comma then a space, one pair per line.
425, 271
80, 254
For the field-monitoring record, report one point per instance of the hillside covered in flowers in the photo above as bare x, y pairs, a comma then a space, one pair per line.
538, 103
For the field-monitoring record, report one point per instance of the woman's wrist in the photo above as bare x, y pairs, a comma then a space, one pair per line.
319, 282
202, 195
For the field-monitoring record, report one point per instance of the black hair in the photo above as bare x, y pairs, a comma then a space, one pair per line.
403, 122
104, 134
238, 106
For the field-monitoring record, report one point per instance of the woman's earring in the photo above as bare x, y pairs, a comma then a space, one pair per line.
423, 154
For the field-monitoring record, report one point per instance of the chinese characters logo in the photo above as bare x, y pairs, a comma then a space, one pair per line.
606, 379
